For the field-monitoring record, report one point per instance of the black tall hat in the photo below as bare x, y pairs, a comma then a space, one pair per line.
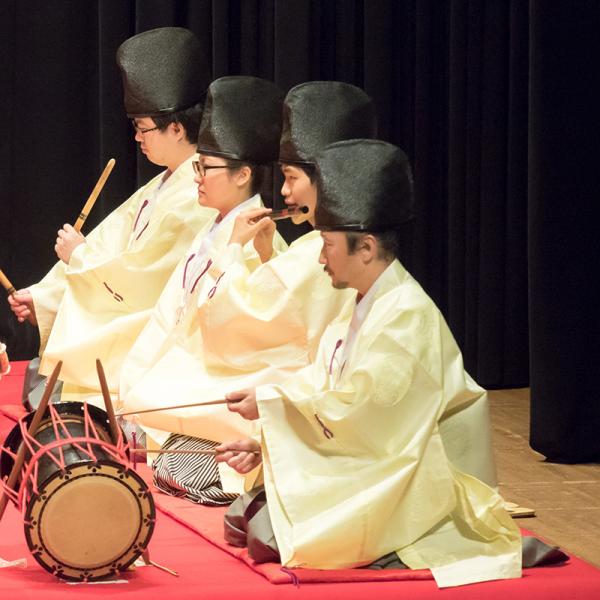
363, 185
319, 113
164, 70
242, 119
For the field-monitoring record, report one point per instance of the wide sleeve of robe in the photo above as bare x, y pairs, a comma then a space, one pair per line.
114, 280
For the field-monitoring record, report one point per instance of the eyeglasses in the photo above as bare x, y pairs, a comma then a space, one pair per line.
141, 129
201, 169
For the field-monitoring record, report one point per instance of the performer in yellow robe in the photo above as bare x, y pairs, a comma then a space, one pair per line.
260, 325
266, 319
238, 141
94, 303
315, 114
354, 464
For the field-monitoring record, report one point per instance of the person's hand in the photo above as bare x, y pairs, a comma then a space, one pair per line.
21, 303
243, 455
255, 224
68, 239
243, 402
263, 240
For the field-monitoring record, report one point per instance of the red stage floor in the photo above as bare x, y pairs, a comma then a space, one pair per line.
207, 571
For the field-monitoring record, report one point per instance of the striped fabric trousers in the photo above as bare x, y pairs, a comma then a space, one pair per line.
191, 476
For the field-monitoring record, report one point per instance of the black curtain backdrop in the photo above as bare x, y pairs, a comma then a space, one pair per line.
564, 186
451, 81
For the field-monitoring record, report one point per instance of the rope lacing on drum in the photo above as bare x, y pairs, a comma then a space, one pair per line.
84, 445
12, 494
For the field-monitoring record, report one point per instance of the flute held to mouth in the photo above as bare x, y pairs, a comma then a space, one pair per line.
285, 213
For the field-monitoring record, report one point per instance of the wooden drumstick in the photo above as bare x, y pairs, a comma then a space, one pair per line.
6, 284
149, 410
35, 423
150, 563
85, 211
112, 421
200, 452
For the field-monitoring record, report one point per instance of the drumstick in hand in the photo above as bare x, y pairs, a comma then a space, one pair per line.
211, 452
6, 284
94, 195
35, 423
149, 410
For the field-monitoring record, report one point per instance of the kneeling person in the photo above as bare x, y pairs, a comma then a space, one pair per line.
98, 298
354, 465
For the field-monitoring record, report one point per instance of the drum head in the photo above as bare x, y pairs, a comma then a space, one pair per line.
90, 522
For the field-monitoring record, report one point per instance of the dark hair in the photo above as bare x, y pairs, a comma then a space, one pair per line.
189, 119
259, 178
388, 242
309, 170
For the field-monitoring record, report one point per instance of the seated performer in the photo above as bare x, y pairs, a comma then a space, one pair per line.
96, 300
261, 324
316, 114
353, 462
237, 143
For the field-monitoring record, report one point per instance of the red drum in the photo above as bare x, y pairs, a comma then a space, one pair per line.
87, 515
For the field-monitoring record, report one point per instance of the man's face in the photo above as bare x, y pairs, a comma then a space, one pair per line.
297, 190
154, 143
341, 266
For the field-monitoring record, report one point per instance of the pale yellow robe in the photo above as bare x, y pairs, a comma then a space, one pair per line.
354, 464
96, 306
262, 324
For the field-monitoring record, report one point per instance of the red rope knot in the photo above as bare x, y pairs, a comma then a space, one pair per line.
8, 451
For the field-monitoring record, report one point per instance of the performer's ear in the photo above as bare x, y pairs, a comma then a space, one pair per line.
243, 175
368, 248
178, 129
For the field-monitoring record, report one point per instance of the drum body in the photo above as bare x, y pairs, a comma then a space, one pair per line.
87, 515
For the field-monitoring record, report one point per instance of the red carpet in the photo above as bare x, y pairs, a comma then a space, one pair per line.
207, 521
209, 569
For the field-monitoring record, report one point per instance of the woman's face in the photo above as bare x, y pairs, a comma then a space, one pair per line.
219, 187
297, 190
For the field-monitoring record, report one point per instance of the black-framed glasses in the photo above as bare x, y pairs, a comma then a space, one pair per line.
141, 129
201, 169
